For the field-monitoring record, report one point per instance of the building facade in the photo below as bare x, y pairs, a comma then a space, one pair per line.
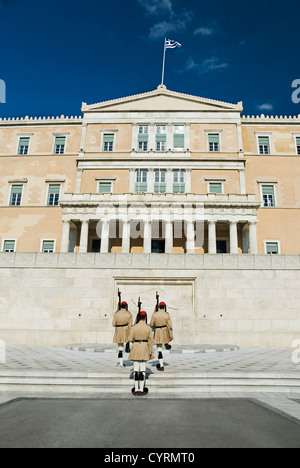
159, 172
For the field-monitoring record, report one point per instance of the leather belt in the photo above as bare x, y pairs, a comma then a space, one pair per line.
163, 326
118, 326
141, 341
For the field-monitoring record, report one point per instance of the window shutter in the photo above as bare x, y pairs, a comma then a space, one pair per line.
9, 245
60, 140
141, 187
272, 247
108, 138
105, 187
161, 137
24, 141
16, 189
142, 137
178, 140
215, 187
54, 189
48, 245
214, 138
268, 190
178, 188
263, 140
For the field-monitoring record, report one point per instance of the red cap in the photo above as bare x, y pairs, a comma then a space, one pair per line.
143, 313
162, 304
124, 303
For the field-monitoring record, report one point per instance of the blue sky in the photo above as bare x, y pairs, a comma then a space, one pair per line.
54, 55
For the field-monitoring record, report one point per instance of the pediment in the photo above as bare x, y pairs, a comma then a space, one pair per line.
162, 99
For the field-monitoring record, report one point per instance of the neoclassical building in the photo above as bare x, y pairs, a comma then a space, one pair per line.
158, 172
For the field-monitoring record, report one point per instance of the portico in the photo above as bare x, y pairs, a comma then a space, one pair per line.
167, 223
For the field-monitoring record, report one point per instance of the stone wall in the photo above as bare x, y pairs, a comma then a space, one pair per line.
59, 299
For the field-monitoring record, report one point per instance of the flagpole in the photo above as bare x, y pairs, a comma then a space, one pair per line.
163, 68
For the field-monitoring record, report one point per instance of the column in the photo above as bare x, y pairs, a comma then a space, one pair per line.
170, 142
190, 237
147, 236
132, 177
188, 183
168, 237
233, 237
105, 236
84, 236
150, 180
126, 237
242, 181
187, 137
151, 138
65, 238
78, 180
169, 181
212, 239
252, 238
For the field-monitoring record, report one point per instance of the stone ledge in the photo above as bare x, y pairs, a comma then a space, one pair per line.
150, 261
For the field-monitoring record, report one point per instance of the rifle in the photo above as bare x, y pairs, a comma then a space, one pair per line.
139, 310
157, 302
119, 299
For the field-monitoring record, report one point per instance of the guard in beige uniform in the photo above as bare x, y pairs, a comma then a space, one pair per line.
141, 352
161, 322
122, 321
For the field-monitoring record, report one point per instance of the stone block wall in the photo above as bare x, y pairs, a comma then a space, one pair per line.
59, 299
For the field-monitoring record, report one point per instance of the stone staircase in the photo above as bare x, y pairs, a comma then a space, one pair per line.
119, 381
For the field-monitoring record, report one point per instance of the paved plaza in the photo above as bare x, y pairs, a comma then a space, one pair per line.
223, 396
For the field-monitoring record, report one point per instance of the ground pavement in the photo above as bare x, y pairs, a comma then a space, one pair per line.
211, 384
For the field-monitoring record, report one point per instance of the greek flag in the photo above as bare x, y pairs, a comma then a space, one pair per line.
172, 44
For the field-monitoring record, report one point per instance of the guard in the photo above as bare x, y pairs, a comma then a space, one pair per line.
141, 352
163, 334
122, 322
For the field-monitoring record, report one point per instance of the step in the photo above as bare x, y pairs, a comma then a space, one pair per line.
118, 382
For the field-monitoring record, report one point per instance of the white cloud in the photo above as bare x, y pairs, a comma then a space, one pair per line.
162, 29
204, 31
206, 66
169, 19
266, 106
177, 24
154, 7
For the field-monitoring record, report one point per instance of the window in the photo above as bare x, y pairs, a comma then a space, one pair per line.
160, 181
9, 246
143, 137
23, 145
161, 137
215, 187
16, 195
272, 248
108, 141
141, 181
178, 131
158, 246
59, 145
214, 142
264, 145
179, 181
48, 246
53, 195
105, 187
268, 195
298, 144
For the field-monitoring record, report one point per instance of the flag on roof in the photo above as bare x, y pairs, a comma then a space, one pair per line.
172, 44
